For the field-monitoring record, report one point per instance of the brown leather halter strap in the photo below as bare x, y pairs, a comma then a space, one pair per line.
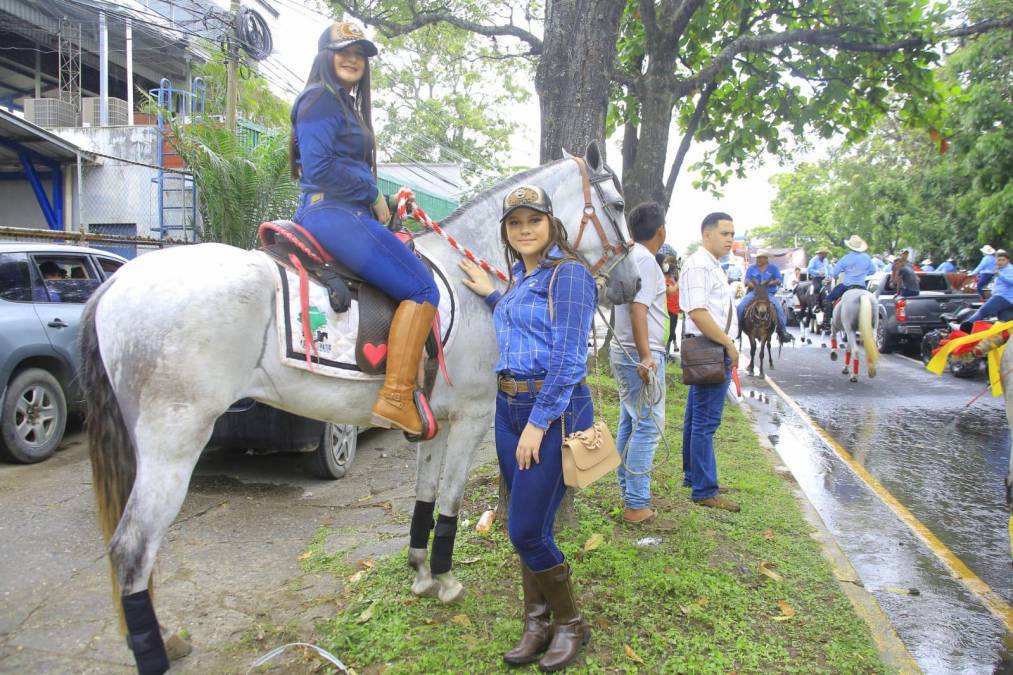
590, 214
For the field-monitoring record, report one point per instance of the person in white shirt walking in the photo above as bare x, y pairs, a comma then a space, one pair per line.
638, 351
707, 301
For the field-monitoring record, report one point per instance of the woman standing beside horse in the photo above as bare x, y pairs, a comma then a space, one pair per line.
542, 326
333, 156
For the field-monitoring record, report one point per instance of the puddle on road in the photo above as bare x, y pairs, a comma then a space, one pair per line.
945, 627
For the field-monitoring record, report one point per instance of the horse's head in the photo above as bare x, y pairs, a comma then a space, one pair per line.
590, 204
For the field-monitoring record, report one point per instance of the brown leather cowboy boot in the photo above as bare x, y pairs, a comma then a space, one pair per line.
570, 633
537, 632
396, 406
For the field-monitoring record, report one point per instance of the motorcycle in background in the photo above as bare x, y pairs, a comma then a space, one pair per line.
963, 368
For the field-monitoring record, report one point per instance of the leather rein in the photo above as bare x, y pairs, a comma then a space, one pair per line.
612, 253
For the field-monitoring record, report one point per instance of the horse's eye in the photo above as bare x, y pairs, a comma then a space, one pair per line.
620, 204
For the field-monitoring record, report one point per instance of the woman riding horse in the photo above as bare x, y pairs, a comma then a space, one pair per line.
333, 155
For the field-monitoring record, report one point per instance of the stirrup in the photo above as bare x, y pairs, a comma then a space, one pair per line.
430, 427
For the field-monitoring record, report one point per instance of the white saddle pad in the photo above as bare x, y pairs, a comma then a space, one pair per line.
334, 334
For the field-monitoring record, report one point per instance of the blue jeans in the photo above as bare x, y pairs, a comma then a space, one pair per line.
362, 244
996, 306
639, 427
747, 299
984, 279
704, 406
536, 492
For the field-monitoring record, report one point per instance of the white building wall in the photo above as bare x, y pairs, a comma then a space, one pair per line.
18, 206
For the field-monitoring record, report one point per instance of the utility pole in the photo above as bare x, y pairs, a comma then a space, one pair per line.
232, 71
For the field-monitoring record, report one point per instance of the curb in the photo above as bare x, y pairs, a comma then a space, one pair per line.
889, 645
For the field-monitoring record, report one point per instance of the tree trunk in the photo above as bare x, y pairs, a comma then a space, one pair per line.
572, 79
645, 182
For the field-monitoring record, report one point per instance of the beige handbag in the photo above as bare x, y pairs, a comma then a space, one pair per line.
589, 454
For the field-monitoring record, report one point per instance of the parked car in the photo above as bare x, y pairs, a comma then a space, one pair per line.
43, 288
328, 449
904, 320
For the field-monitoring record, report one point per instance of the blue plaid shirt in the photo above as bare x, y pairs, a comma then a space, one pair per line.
532, 345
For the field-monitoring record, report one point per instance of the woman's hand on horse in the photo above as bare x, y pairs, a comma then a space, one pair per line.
528, 445
478, 279
381, 210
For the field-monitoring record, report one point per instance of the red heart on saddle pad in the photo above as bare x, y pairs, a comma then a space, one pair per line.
374, 353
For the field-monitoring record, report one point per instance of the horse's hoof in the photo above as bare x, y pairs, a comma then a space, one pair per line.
417, 557
845, 371
833, 355
872, 372
450, 589
853, 379
425, 586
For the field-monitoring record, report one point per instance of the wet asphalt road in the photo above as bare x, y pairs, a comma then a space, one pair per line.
944, 462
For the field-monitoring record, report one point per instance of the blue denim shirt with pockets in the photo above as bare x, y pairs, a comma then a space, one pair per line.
333, 147
530, 344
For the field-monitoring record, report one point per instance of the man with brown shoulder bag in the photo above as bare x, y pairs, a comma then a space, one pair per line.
708, 355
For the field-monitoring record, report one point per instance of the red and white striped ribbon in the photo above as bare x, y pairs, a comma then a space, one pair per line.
404, 195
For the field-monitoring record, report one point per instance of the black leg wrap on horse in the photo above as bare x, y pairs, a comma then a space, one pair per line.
422, 524
443, 544
143, 635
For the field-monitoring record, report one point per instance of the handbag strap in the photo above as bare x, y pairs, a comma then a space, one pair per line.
728, 321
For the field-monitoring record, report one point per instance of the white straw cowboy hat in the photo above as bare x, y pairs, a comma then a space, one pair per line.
856, 243
763, 253
987, 250
927, 261
823, 249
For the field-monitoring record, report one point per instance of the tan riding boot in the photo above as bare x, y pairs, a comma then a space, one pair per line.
537, 633
396, 404
570, 633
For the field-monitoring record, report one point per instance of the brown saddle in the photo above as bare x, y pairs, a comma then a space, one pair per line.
296, 249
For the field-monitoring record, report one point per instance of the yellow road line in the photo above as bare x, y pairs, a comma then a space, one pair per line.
960, 571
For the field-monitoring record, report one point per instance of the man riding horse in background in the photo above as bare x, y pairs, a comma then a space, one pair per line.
855, 267
762, 273
819, 267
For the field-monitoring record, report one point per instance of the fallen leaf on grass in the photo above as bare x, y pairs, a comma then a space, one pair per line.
365, 564
701, 602
469, 561
462, 620
305, 555
787, 611
367, 613
593, 542
357, 577
632, 654
600, 623
769, 573
768, 533
471, 641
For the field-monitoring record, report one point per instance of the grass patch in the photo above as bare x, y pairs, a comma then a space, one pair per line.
695, 603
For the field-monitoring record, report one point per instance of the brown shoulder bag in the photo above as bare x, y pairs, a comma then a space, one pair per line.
703, 360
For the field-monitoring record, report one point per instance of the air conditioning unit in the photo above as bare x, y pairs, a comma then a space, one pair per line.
90, 112
50, 112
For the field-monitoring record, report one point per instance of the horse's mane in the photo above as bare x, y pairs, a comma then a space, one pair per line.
515, 178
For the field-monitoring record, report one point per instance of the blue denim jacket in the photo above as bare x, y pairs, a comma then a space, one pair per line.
333, 148
530, 344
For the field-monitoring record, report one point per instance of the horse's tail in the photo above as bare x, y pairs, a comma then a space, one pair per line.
868, 335
113, 464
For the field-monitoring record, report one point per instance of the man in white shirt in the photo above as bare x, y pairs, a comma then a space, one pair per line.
638, 351
706, 299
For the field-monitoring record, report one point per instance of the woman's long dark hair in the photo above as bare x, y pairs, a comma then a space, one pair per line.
322, 72
557, 237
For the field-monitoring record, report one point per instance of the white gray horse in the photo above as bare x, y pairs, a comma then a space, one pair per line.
177, 335
856, 312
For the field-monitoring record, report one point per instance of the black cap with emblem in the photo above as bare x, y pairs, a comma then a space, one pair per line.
526, 197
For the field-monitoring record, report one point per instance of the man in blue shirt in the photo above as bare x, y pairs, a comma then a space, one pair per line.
947, 266
730, 265
985, 269
927, 265
819, 268
1001, 302
855, 267
763, 274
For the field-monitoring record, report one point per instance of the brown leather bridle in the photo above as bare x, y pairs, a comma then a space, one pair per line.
613, 253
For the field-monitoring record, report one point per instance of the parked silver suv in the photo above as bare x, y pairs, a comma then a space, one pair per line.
43, 288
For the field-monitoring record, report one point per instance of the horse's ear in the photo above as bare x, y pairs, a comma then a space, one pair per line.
566, 155
593, 156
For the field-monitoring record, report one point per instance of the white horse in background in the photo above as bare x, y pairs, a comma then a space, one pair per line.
856, 312
178, 335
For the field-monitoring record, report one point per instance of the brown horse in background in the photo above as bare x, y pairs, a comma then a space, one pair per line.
760, 322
